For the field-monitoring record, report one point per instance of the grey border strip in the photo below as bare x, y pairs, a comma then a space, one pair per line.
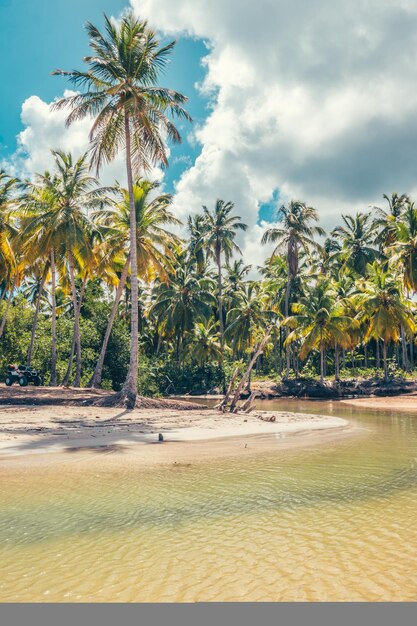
213, 614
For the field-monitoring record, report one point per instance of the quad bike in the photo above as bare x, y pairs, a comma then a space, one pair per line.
23, 375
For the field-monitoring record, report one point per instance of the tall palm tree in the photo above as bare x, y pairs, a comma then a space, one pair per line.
153, 244
56, 221
8, 263
196, 248
220, 231
385, 309
130, 111
318, 321
404, 248
357, 238
387, 219
296, 233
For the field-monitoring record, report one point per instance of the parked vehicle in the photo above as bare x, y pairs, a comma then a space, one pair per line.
22, 375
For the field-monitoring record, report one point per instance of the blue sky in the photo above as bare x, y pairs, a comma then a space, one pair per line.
314, 101
37, 36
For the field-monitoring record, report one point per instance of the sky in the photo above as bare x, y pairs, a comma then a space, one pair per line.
310, 99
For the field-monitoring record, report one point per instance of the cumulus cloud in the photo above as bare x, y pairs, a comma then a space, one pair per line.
315, 98
45, 129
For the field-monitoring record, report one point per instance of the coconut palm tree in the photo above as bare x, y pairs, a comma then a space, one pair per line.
153, 244
385, 309
387, 220
296, 233
182, 302
318, 321
248, 315
196, 248
220, 232
357, 238
56, 222
205, 342
131, 114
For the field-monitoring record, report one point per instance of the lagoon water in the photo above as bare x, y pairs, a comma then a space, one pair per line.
337, 521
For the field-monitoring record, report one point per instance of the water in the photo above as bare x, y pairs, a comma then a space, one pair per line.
332, 522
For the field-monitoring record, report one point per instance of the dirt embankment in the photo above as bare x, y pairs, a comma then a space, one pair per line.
71, 396
310, 388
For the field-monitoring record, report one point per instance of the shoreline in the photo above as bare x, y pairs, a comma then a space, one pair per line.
44, 431
404, 402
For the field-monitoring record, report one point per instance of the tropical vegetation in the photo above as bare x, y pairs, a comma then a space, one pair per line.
103, 286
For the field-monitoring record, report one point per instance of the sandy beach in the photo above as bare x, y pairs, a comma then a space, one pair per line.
196, 433
406, 402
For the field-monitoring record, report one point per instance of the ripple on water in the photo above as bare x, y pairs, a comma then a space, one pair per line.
336, 523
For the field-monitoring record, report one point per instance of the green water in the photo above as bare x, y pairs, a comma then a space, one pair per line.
330, 522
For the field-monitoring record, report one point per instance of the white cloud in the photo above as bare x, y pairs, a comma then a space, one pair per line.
45, 129
317, 99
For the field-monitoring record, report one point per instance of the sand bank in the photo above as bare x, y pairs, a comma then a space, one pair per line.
35, 430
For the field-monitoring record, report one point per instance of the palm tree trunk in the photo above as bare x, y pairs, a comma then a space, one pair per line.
321, 362
52, 381
96, 377
35, 319
336, 362
130, 388
287, 330
65, 381
8, 303
404, 350
378, 358
411, 354
77, 311
384, 355
220, 294
245, 376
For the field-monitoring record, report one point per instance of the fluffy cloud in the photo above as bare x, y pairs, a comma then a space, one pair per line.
317, 99
45, 130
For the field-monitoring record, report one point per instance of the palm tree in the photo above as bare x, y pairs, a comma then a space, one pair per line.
130, 112
8, 264
56, 222
248, 315
319, 321
153, 247
294, 235
182, 302
404, 248
385, 309
196, 250
357, 238
205, 344
220, 231
387, 220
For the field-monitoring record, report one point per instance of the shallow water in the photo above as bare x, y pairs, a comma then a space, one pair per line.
333, 522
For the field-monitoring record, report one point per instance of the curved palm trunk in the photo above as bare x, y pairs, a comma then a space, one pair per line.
130, 387
52, 381
95, 380
8, 303
35, 319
